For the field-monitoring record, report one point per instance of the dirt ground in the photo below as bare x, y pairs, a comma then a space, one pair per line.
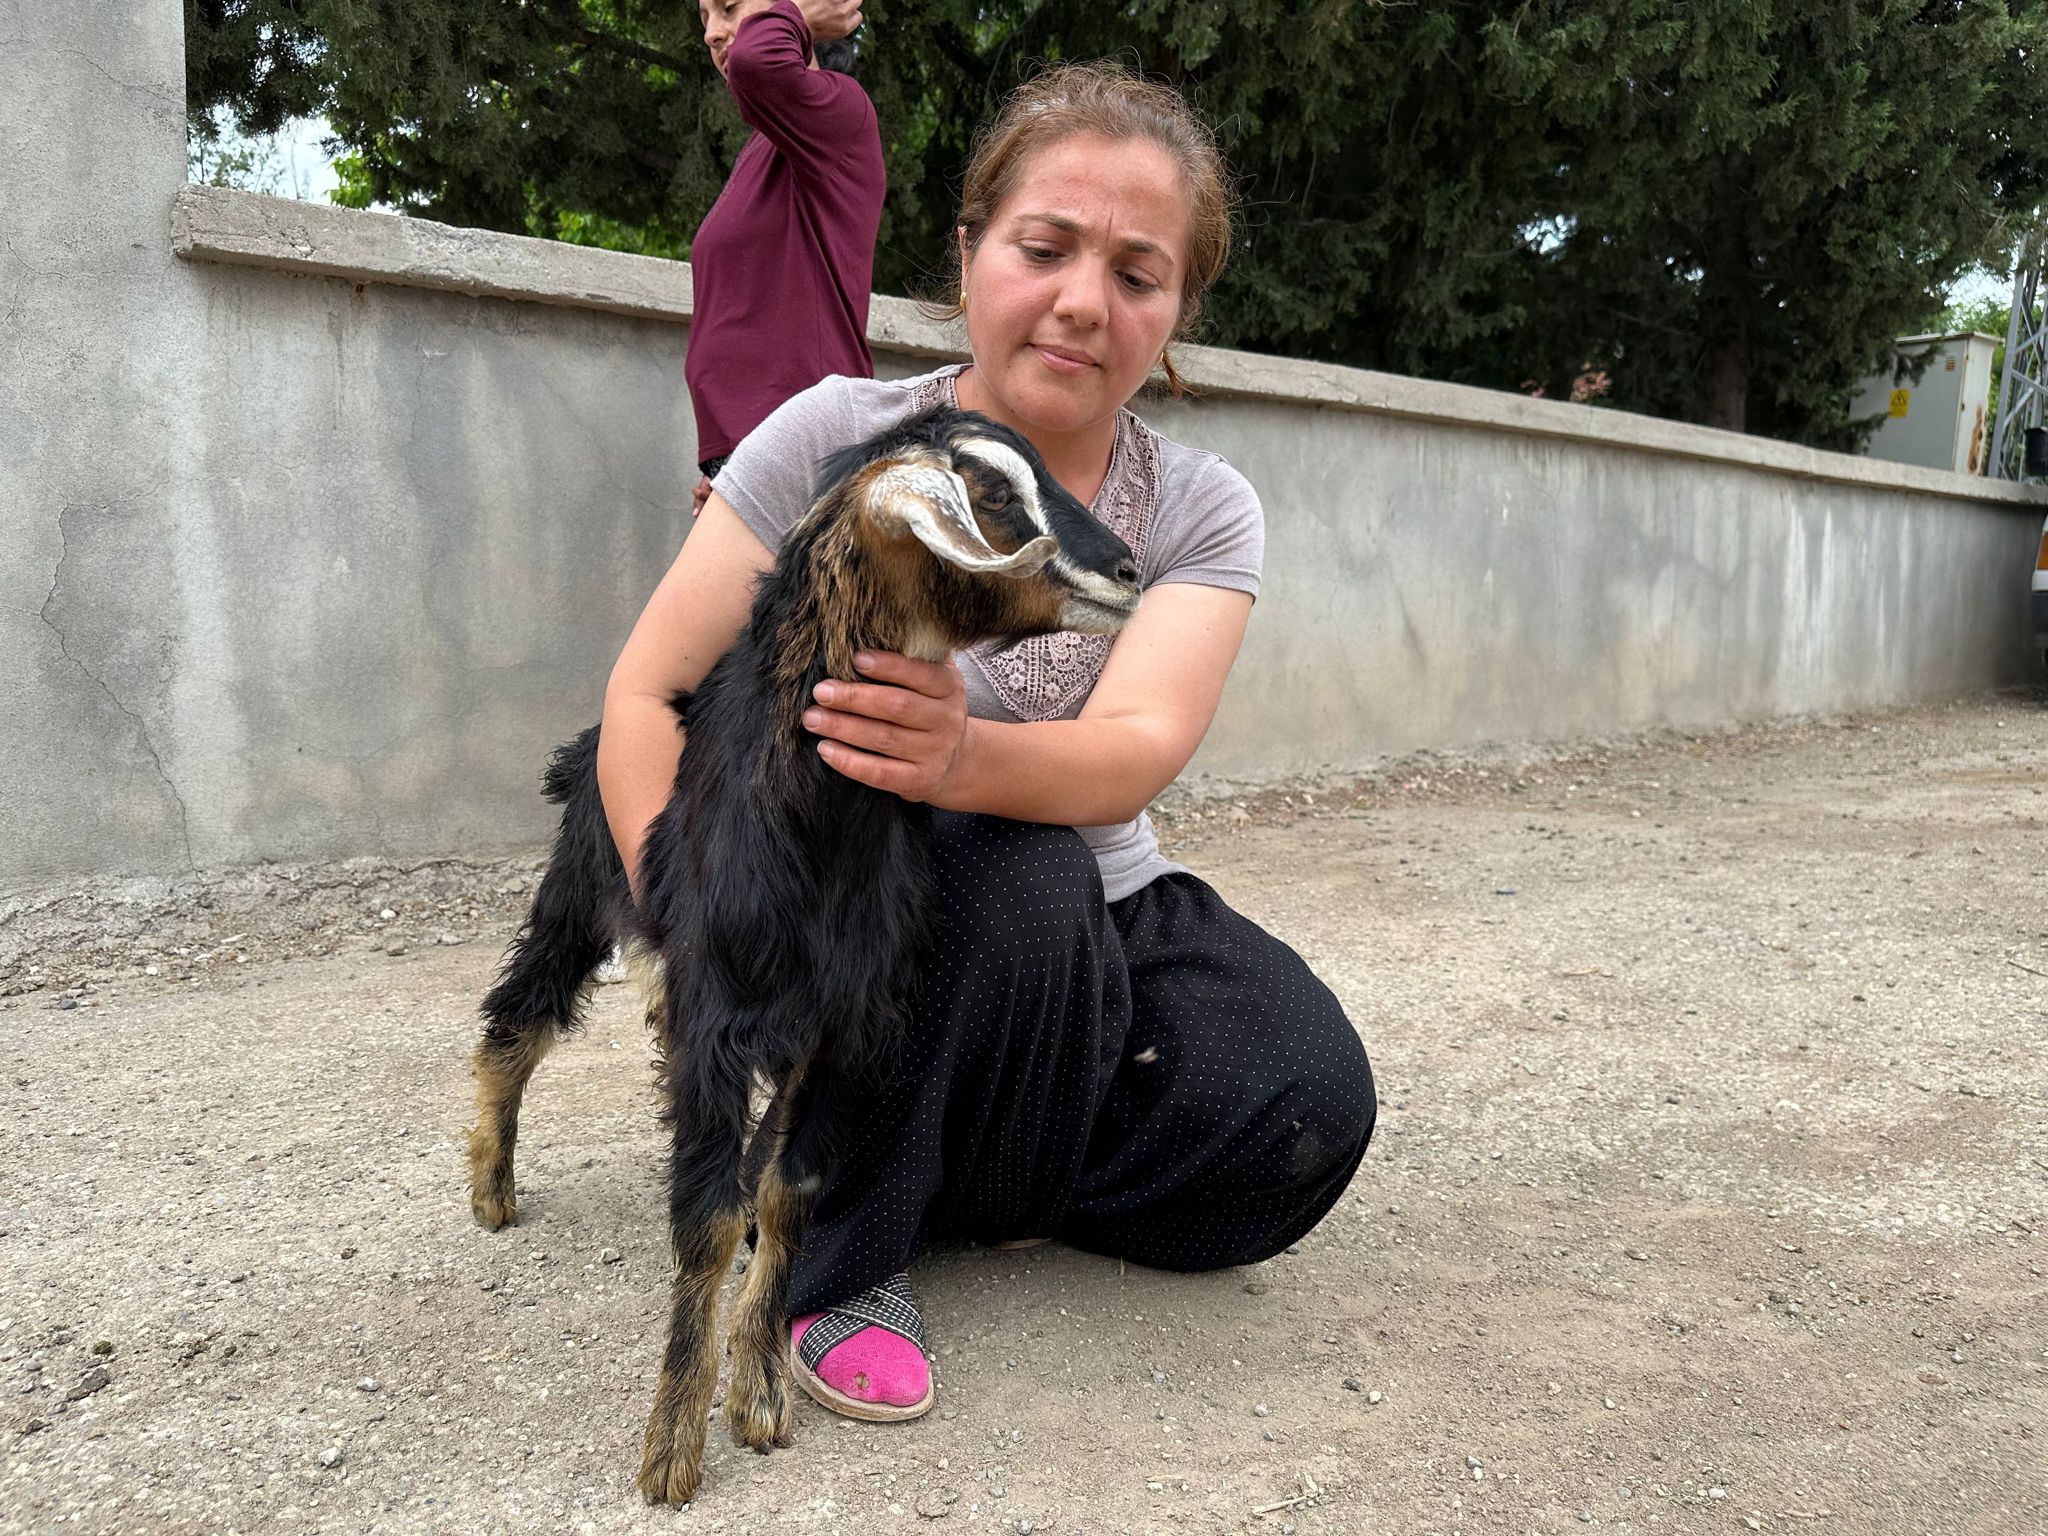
1708, 1192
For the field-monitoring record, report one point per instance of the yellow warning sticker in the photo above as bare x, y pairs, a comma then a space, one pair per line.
1901, 398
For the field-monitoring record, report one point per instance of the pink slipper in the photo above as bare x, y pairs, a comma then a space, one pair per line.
865, 1357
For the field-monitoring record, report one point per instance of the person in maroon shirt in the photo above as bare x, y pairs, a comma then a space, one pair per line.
781, 265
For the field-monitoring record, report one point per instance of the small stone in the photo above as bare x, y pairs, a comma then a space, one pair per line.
1749, 1523
1159, 1378
1717, 1493
949, 1413
1156, 1486
387, 914
936, 1503
1269, 1437
487, 1285
1606, 1402
103, 1347
238, 1277
1256, 1288
1375, 1397
1351, 1384
394, 949
1260, 1410
609, 1256
91, 1382
1638, 1255
1473, 1462
368, 1384
331, 1457
348, 1253
1586, 1515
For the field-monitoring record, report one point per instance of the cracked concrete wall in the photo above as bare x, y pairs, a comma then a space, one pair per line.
297, 567
293, 569
1430, 585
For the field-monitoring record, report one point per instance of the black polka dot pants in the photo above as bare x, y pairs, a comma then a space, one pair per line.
1156, 1079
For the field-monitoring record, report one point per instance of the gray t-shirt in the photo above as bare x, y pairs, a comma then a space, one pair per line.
1186, 514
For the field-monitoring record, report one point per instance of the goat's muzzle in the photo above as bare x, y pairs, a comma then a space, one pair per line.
1092, 603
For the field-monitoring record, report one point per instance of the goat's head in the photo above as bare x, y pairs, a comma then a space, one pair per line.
968, 538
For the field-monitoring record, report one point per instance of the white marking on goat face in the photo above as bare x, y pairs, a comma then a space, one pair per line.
931, 504
1011, 464
1094, 585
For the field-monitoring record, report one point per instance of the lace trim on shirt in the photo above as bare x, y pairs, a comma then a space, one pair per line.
1043, 677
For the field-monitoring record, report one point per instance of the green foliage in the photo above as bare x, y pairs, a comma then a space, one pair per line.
262, 61
1725, 210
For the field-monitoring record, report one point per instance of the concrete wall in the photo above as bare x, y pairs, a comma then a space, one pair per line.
317, 528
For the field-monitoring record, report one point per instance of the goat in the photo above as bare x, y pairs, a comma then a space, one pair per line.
786, 906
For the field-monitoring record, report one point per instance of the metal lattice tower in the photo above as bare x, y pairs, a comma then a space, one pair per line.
2023, 386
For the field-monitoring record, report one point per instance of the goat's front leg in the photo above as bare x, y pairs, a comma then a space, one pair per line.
706, 1222
758, 1410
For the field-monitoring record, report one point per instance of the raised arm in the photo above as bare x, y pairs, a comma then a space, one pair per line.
813, 116
691, 621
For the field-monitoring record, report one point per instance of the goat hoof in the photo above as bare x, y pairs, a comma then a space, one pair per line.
757, 1411
669, 1474
493, 1211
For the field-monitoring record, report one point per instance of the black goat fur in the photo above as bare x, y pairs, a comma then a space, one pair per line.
787, 905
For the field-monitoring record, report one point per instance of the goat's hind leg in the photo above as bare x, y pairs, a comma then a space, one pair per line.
758, 1408
503, 1063
537, 999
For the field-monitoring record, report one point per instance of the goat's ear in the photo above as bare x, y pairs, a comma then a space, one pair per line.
931, 503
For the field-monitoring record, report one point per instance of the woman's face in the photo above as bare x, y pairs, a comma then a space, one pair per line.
721, 19
1075, 287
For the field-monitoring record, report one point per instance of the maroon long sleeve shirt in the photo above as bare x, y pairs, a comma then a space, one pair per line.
781, 265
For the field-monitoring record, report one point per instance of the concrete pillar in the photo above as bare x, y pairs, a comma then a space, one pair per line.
91, 373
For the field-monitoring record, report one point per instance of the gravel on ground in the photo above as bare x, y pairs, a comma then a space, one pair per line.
1707, 1194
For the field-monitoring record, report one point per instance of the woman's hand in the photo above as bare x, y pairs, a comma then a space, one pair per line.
830, 19
902, 732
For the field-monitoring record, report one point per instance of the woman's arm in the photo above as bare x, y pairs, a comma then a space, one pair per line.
811, 115
689, 623
908, 730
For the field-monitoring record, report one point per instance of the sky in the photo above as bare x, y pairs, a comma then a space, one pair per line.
306, 163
